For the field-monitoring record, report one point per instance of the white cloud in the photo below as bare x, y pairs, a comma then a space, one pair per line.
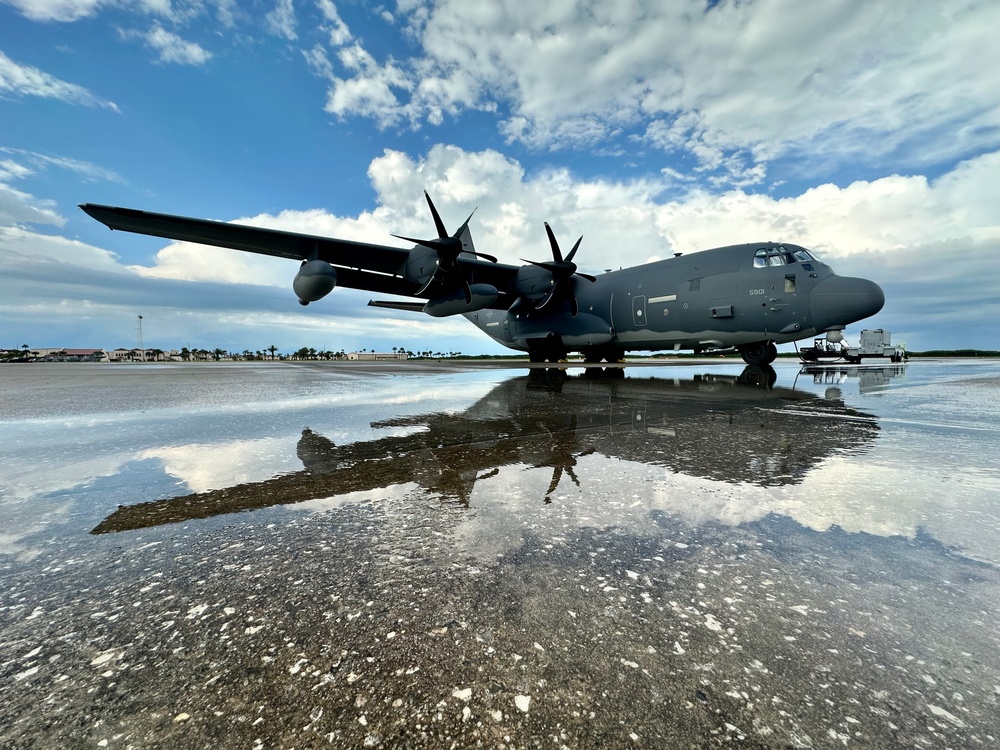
281, 20
34, 247
335, 27
932, 243
924, 239
174, 49
372, 90
57, 10
88, 171
624, 222
733, 86
76, 10
17, 207
11, 170
24, 80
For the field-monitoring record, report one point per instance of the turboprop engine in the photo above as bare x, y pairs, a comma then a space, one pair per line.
315, 280
467, 299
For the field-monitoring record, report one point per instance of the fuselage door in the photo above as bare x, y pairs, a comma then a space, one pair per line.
639, 310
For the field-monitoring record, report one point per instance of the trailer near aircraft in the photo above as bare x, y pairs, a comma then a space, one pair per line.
747, 297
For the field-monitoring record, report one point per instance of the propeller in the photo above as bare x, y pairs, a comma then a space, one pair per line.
448, 248
562, 270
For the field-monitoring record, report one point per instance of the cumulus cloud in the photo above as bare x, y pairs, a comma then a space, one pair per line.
932, 243
626, 222
25, 80
731, 86
924, 239
372, 89
333, 25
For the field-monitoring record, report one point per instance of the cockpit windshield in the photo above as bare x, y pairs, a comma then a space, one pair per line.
780, 255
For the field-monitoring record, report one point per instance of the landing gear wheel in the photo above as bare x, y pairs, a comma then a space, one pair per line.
596, 356
772, 352
542, 354
759, 353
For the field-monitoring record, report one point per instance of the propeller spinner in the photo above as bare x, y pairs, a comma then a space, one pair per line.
448, 248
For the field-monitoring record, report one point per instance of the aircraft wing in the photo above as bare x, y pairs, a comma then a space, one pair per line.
360, 265
282, 244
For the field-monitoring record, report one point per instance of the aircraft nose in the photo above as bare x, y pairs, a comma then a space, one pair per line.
840, 300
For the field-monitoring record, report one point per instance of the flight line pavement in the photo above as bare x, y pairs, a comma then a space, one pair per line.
373, 627
379, 620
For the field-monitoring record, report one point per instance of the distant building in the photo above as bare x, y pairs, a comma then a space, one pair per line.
373, 356
85, 355
52, 354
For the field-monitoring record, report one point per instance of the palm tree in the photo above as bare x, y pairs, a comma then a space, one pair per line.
272, 348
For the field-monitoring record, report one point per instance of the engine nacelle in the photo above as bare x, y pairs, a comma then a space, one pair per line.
453, 303
315, 280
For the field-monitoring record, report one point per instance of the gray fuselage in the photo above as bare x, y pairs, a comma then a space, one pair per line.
714, 299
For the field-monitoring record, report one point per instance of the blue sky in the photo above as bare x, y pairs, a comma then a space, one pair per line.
867, 131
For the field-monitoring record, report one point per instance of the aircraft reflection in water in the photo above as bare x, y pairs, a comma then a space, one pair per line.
709, 426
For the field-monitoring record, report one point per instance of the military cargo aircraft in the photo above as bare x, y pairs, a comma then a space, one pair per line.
747, 297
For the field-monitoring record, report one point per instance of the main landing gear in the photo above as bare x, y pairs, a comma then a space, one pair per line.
758, 353
547, 354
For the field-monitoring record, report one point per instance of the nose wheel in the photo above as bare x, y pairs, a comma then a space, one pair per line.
759, 353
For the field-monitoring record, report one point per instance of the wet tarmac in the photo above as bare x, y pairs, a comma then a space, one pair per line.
686, 556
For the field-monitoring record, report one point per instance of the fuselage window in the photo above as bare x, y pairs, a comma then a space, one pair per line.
803, 256
694, 285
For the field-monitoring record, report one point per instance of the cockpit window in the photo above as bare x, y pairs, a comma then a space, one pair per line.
779, 256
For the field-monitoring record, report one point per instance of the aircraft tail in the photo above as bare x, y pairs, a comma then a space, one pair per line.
468, 246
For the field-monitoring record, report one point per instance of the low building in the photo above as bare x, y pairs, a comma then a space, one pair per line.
84, 355
52, 354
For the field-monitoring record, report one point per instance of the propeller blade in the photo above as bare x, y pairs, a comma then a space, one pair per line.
435, 244
574, 306
468, 292
554, 483
586, 276
438, 224
556, 255
575, 248
550, 267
